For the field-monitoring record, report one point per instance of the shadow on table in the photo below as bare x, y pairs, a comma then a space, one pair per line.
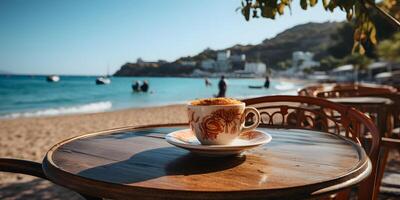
160, 162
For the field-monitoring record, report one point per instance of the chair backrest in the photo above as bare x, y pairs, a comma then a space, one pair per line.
311, 90
364, 86
345, 90
319, 114
363, 90
351, 92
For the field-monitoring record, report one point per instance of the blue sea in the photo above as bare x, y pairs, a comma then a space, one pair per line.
30, 96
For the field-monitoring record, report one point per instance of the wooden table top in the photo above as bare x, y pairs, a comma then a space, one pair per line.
362, 100
127, 163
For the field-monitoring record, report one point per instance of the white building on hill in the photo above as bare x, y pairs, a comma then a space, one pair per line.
302, 60
223, 66
223, 55
188, 63
255, 68
208, 64
224, 63
238, 58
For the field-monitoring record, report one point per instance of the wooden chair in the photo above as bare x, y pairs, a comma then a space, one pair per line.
391, 135
345, 90
319, 114
360, 90
311, 90
357, 90
365, 87
28, 168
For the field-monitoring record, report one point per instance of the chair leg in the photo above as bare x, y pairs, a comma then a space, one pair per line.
382, 165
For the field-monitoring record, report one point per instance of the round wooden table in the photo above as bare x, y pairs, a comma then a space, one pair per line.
137, 163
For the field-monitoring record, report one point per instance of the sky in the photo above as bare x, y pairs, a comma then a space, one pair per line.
84, 37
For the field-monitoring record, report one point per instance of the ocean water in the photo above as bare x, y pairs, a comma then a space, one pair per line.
29, 96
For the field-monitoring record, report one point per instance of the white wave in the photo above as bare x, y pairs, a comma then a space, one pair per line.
86, 108
284, 86
289, 92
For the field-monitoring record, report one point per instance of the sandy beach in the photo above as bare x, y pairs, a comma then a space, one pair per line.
30, 138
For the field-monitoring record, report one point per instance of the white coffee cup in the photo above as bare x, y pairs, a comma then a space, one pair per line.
220, 124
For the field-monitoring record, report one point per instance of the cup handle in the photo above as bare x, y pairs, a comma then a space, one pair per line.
253, 110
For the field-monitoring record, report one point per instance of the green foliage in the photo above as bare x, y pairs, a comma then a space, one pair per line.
390, 49
308, 70
328, 63
355, 9
342, 41
359, 61
283, 65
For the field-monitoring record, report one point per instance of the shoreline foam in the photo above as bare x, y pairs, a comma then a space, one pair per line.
94, 107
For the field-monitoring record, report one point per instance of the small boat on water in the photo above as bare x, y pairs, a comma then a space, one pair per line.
256, 86
103, 80
52, 78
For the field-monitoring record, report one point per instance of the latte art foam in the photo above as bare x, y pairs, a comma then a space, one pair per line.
215, 101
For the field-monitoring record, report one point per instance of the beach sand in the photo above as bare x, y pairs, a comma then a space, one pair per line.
30, 138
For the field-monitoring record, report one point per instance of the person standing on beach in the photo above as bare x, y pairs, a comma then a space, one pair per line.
266, 84
222, 87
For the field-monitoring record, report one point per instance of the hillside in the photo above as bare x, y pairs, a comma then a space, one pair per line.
313, 37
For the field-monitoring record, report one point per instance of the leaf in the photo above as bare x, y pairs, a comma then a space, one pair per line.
325, 3
246, 12
332, 5
359, 35
281, 8
313, 2
361, 50
349, 15
355, 45
303, 4
268, 12
356, 35
372, 35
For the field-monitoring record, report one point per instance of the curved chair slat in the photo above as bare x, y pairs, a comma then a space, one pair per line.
29, 168
22, 167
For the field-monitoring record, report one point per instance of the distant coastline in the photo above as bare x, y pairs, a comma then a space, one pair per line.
275, 53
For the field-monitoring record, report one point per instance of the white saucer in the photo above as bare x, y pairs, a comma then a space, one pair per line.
186, 139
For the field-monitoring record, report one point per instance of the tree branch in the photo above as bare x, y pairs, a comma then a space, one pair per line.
386, 15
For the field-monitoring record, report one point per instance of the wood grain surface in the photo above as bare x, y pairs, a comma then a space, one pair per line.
132, 163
